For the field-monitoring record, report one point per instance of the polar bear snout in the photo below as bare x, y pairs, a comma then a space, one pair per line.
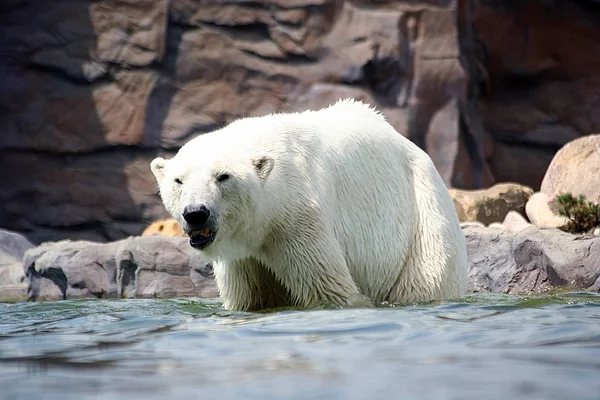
196, 214
199, 225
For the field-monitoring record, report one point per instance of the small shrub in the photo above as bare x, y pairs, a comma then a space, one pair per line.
583, 215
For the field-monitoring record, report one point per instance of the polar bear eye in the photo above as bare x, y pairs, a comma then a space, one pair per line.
178, 181
222, 178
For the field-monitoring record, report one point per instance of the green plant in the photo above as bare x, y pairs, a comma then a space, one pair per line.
583, 215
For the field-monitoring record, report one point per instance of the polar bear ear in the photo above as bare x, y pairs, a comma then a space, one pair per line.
158, 168
264, 166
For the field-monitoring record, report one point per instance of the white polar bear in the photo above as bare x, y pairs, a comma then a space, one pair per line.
323, 206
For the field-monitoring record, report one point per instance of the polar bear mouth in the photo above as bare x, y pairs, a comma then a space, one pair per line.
202, 238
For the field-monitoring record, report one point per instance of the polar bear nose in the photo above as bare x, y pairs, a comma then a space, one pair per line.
196, 214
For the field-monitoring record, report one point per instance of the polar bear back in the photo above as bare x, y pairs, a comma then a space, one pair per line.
391, 211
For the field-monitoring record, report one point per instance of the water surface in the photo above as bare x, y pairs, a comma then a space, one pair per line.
486, 346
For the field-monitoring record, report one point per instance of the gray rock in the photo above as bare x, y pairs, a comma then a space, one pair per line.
150, 266
531, 260
12, 279
162, 267
77, 269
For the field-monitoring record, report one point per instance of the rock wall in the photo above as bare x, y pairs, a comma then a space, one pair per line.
543, 86
93, 90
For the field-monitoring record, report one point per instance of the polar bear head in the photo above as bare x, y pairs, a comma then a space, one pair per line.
214, 193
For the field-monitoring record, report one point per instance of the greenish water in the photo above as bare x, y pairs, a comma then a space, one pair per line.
486, 346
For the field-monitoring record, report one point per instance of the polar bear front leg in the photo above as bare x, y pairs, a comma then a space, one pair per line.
247, 285
313, 268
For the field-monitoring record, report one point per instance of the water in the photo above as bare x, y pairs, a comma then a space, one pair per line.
483, 347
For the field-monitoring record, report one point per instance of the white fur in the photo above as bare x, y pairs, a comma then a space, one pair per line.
349, 208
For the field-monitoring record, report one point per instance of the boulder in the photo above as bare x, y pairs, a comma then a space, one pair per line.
515, 221
12, 279
539, 212
531, 260
165, 227
492, 204
152, 267
575, 169
149, 266
76, 269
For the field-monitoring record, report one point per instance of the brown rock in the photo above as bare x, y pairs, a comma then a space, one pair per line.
540, 97
490, 205
75, 90
436, 76
437, 83
164, 227
109, 193
575, 169
93, 90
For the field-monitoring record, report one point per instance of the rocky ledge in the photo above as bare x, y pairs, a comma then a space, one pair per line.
533, 259
528, 259
141, 267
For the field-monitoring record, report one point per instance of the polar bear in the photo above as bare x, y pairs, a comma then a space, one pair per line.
319, 207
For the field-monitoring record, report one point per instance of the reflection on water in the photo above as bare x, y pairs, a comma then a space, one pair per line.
486, 346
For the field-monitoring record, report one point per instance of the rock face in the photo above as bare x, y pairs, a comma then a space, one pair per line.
541, 83
151, 266
13, 246
575, 169
531, 260
490, 205
92, 90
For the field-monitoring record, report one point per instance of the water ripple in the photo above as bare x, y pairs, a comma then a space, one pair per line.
490, 346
